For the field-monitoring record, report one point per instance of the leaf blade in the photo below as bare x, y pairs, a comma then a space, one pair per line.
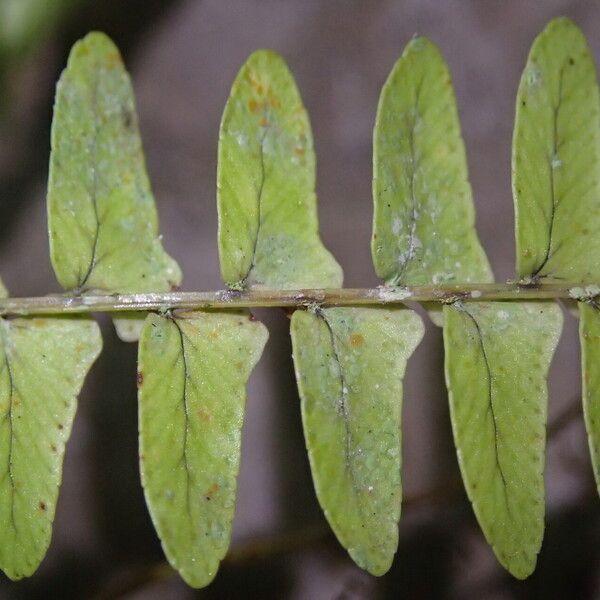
555, 156
497, 359
44, 363
102, 219
589, 336
423, 220
349, 366
268, 224
191, 405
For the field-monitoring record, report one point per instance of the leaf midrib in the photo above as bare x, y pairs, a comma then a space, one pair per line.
345, 413
184, 455
491, 408
259, 197
554, 201
93, 194
410, 253
9, 420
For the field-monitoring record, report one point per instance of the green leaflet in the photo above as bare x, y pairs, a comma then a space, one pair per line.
423, 222
101, 215
497, 359
192, 390
129, 325
268, 226
589, 335
43, 363
349, 365
556, 158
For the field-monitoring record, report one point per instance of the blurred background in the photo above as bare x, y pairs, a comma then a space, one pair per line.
183, 56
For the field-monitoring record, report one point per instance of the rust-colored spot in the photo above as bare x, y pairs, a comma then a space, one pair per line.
264, 122
275, 103
356, 340
53, 447
215, 487
252, 105
114, 59
299, 150
527, 253
139, 378
204, 415
214, 334
42, 505
449, 81
260, 90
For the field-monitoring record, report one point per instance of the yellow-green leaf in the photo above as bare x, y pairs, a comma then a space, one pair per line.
424, 220
192, 390
497, 360
43, 363
129, 325
589, 335
556, 159
349, 365
101, 214
268, 225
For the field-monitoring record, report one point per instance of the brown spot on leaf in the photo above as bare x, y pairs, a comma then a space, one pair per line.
204, 415
215, 487
252, 105
264, 122
139, 378
114, 59
356, 340
42, 505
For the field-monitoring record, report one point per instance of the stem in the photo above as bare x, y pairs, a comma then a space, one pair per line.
231, 299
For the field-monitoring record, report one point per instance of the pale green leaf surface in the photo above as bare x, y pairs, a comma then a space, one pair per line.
497, 360
589, 334
349, 366
129, 325
43, 363
556, 159
192, 375
424, 220
268, 224
101, 214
